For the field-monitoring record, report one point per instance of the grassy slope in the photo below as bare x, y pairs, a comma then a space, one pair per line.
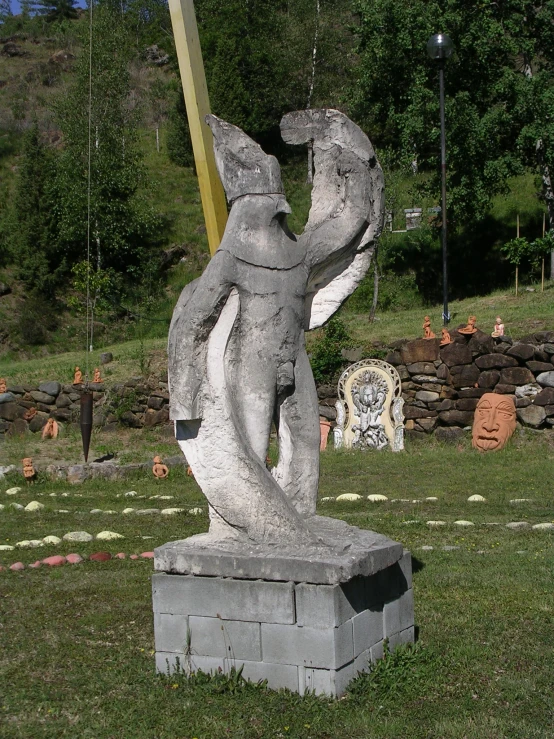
77, 646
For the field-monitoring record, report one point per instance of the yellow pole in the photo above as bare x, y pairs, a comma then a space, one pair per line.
195, 90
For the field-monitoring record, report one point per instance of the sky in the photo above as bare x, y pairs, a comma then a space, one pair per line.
16, 8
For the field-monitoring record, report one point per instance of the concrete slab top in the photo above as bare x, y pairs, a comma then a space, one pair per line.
345, 552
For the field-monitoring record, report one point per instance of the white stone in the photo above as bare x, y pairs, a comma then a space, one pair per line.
77, 536
62, 510
376, 498
131, 494
461, 522
436, 523
23, 544
476, 499
110, 513
521, 500
128, 510
53, 495
6, 548
408, 523
432, 499
416, 501
518, 525
543, 526
349, 497
426, 548
171, 511
65, 495
36, 543
16, 506
108, 536
34, 505
166, 497
327, 499
13, 491
195, 511
96, 510
52, 540
153, 497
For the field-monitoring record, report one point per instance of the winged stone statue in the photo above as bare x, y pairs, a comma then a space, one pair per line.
237, 354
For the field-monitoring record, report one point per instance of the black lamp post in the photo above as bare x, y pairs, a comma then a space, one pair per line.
439, 48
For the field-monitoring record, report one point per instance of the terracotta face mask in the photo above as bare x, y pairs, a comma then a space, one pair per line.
494, 422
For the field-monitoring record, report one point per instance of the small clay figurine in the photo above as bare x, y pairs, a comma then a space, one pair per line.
29, 414
50, 430
28, 470
2, 385
470, 328
78, 377
445, 337
427, 333
159, 469
190, 472
97, 377
498, 328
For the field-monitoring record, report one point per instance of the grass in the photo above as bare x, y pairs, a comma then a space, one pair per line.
77, 642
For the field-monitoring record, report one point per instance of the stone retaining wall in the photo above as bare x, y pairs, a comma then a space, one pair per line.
442, 385
136, 403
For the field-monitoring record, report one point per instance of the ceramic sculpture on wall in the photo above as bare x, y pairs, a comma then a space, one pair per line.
494, 422
369, 409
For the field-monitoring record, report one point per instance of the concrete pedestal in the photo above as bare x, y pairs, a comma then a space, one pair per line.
304, 636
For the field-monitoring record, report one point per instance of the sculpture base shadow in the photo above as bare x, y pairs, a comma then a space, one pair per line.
308, 620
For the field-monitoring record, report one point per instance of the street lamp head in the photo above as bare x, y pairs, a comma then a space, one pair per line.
440, 46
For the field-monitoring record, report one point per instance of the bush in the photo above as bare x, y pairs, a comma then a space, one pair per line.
326, 357
36, 319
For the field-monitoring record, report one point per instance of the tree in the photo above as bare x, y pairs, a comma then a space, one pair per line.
5, 10
56, 10
115, 223
515, 250
395, 96
31, 242
179, 144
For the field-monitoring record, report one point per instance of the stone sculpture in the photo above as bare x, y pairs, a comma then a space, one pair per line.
3, 385
97, 377
427, 333
237, 357
77, 377
28, 470
369, 409
470, 328
494, 422
160, 470
269, 567
50, 430
498, 328
445, 337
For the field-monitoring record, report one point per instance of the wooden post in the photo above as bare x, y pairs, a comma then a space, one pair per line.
195, 90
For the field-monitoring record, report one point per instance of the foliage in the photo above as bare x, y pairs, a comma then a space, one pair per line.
541, 248
56, 10
515, 250
31, 240
395, 671
179, 144
37, 317
326, 358
122, 227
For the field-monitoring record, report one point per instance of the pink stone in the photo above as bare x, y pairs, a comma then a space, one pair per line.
100, 556
55, 561
120, 555
74, 558
147, 555
35, 564
133, 556
17, 566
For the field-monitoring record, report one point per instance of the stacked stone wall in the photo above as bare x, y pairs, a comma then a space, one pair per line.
136, 403
441, 386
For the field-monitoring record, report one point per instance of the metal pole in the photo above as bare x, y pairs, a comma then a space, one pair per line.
445, 313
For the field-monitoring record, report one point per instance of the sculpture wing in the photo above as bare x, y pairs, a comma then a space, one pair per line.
346, 216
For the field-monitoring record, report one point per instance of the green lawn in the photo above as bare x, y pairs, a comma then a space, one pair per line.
77, 641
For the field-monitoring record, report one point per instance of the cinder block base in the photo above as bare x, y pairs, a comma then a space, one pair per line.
300, 636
